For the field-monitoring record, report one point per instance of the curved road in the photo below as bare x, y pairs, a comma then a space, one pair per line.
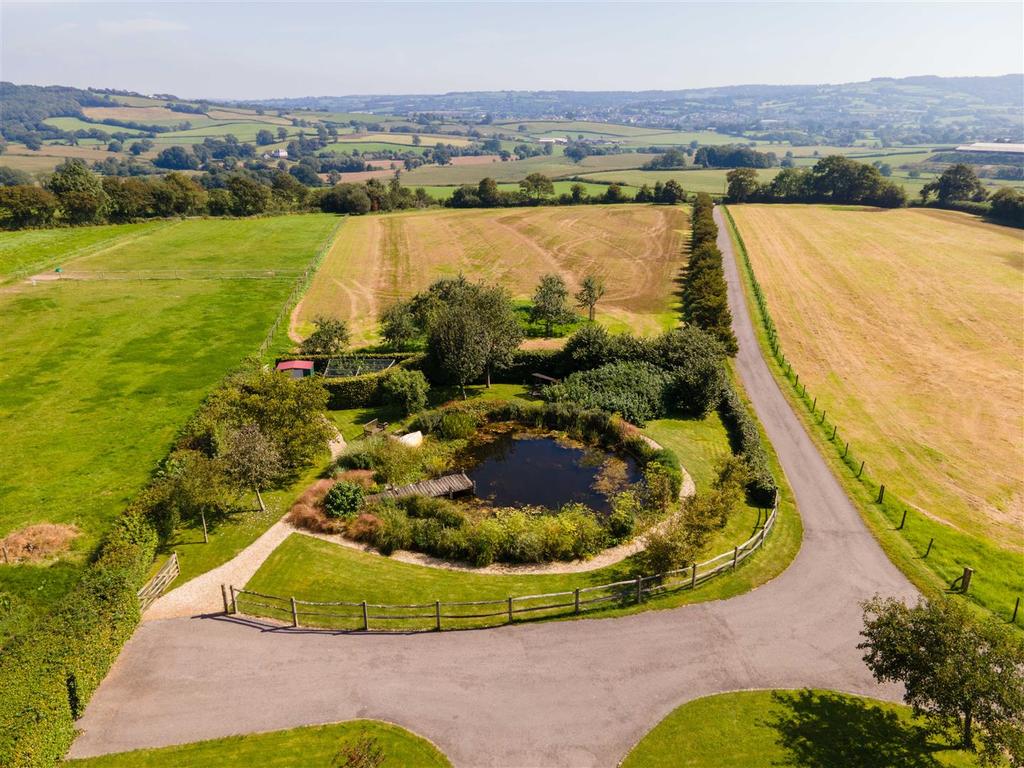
569, 693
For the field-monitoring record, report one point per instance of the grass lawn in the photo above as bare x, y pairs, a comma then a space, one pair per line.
98, 376
804, 729
312, 569
31, 251
377, 260
308, 747
961, 541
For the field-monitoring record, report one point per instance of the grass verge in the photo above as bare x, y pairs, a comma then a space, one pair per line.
316, 745
808, 728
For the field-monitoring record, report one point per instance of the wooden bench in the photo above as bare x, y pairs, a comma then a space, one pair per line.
374, 427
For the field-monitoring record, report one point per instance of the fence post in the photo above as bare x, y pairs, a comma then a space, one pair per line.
1016, 605
846, 450
814, 405
835, 428
295, 614
693, 577
577, 609
234, 600
902, 521
638, 588
510, 609
735, 555
823, 412
881, 494
224, 596
437, 614
861, 470
965, 580
366, 618
930, 542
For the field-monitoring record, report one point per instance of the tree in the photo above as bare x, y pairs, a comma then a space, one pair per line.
128, 199
79, 191
178, 195
282, 134
346, 198
502, 332
589, 294
958, 182
330, 337
1008, 205
24, 206
264, 137
457, 344
488, 193
248, 197
957, 670
398, 326
743, 184
12, 177
194, 487
289, 412
251, 460
176, 159
550, 303
537, 186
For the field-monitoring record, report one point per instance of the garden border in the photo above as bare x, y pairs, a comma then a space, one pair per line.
574, 602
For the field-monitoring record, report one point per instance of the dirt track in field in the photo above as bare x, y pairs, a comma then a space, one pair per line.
908, 326
378, 260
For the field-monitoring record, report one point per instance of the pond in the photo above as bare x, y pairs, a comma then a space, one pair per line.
517, 470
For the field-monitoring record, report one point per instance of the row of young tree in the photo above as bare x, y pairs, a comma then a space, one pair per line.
705, 300
833, 179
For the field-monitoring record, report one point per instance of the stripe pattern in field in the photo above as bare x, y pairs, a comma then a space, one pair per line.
908, 326
377, 260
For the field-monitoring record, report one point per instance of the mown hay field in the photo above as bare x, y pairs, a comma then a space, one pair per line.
377, 260
908, 327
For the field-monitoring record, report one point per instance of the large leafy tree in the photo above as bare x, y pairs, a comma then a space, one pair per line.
79, 191
457, 344
550, 303
537, 186
958, 671
251, 460
958, 182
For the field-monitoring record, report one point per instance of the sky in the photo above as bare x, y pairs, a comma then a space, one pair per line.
266, 49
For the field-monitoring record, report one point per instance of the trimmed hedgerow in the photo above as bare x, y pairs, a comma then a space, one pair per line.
747, 443
638, 391
47, 676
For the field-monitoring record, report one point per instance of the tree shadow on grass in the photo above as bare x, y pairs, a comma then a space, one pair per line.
825, 730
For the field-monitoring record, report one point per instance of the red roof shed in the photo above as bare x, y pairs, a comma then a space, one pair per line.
298, 368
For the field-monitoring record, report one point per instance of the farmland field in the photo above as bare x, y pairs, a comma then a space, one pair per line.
908, 326
377, 260
711, 181
98, 375
555, 166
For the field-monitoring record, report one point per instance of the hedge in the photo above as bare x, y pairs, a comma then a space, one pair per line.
48, 676
357, 391
746, 440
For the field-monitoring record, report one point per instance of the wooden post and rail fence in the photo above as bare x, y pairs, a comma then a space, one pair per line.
963, 582
434, 616
155, 587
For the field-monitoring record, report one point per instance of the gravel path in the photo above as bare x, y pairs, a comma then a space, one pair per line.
202, 595
569, 693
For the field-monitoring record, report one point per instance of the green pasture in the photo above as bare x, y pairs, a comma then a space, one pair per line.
243, 130
347, 147
97, 376
77, 124
554, 166
306, 747
767, 729
34, 250
712, 180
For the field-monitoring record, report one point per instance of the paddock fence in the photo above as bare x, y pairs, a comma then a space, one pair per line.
439, 615
894, 509
302, 282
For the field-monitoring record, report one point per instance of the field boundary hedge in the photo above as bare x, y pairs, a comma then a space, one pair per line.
356, 617
920, 534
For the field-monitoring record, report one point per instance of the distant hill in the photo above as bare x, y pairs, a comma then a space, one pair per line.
925, 108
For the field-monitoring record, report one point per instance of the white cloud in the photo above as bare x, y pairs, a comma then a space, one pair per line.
139, 26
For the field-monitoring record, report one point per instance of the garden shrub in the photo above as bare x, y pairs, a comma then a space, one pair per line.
394, 530
637, 391
343, 499
406, 390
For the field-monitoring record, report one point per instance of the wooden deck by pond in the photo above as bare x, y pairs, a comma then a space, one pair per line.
448, 485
